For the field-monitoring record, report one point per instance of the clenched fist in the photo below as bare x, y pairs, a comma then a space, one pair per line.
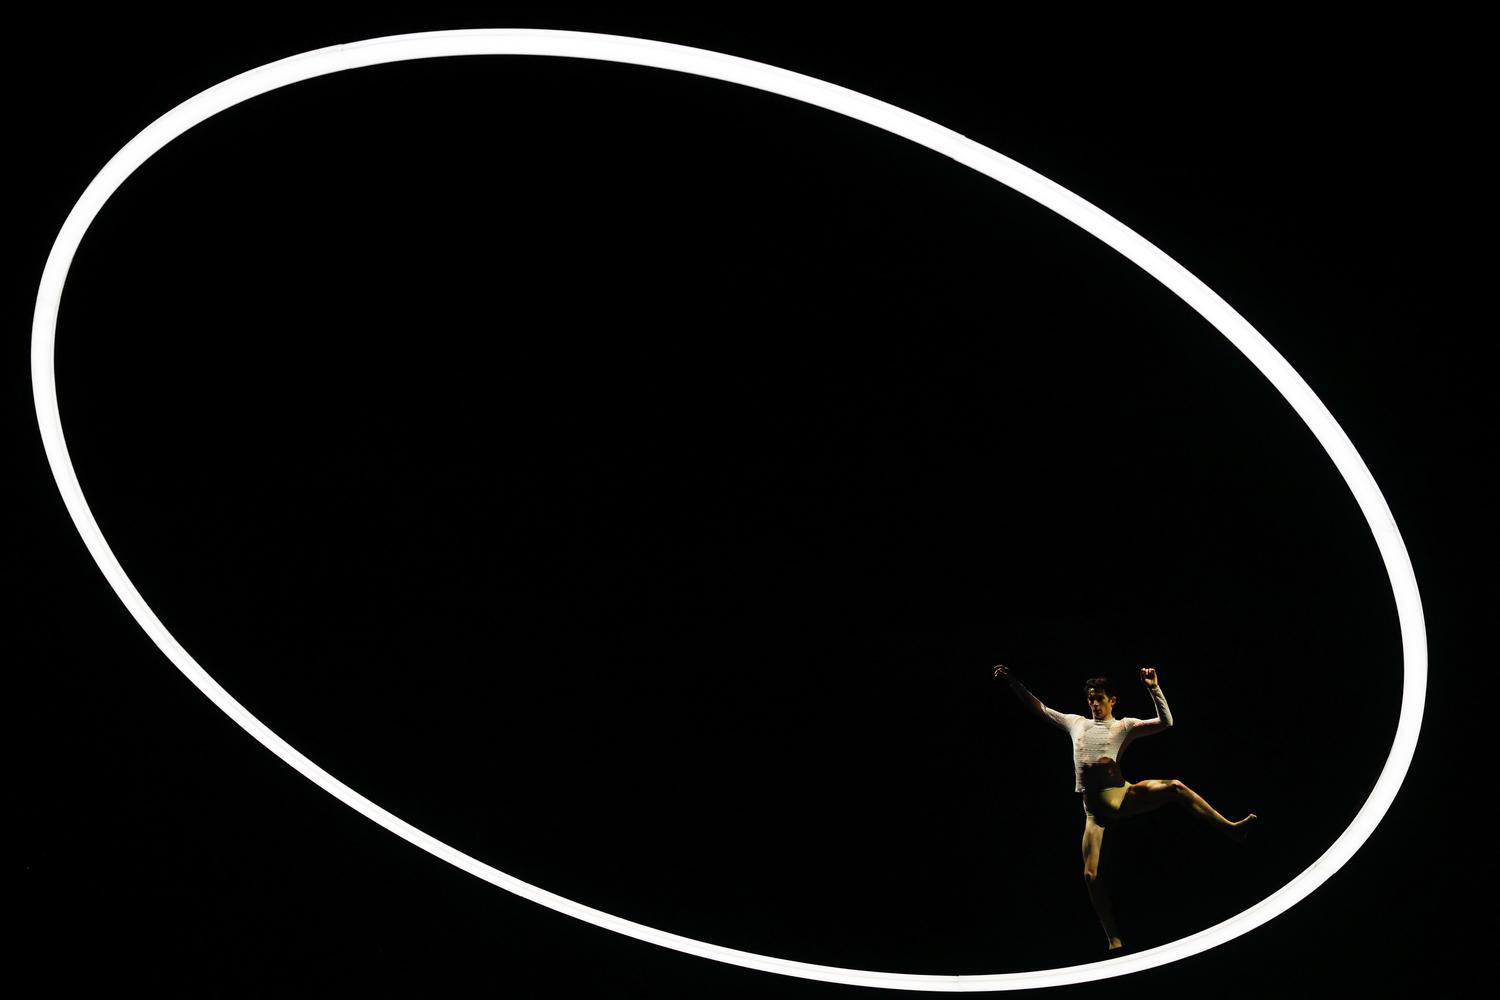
1148, 676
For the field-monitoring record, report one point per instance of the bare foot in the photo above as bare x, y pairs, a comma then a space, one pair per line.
1241, 831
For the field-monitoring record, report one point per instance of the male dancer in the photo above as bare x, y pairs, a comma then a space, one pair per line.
1098, 743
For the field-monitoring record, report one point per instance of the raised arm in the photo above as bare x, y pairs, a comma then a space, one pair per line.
1163, 720
1032, 703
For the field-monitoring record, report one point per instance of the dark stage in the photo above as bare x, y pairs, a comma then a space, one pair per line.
630, 479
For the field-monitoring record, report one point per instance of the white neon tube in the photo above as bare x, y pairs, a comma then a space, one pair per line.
683, 59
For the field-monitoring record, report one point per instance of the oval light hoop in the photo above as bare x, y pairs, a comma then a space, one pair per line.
715, 65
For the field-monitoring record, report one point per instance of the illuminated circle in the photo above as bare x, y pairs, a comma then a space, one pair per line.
640, 52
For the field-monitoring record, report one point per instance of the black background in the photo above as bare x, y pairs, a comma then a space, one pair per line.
630, 480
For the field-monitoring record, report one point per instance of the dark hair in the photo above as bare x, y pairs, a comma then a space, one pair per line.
1102, 683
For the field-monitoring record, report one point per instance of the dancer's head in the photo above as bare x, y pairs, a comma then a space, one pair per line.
1101, 701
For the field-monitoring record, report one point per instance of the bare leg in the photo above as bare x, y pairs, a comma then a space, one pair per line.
1145, 796
1093, 842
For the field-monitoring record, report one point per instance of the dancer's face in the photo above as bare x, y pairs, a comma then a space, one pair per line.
1101, 705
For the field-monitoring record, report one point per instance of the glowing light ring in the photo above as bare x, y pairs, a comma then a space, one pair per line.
640, 52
